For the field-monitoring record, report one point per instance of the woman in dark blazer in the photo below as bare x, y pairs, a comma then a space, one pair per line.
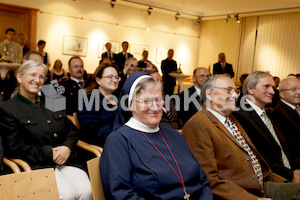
96, 120
41, 137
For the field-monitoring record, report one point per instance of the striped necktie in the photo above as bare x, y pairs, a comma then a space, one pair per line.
240, 138
269, 125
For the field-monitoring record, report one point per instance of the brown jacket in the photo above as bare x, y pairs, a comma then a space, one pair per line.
223, 159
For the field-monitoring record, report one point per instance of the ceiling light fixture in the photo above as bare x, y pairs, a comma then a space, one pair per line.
227, 19
112, 3
149, 10
177, 15
237, 19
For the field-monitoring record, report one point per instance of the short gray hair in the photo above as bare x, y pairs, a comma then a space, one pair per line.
252, 80
31, 63
209, 85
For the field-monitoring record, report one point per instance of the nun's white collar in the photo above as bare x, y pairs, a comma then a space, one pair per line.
135, 124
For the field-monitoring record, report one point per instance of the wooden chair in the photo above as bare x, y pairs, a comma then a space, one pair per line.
27, 185
93, 164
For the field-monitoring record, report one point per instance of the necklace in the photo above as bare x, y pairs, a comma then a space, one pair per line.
186, 195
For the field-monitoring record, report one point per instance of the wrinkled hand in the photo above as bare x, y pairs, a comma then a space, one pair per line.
61, 154
296, 178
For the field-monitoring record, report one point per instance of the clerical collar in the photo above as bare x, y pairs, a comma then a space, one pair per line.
198, 90
135, 124
28, 101
76, 80
290, 105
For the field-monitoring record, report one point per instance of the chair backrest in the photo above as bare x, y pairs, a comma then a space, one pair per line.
73, 118
36, 184
95, 178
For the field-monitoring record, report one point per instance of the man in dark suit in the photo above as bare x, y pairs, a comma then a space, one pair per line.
121, 57
287, 115
108, 54
73, 84
233, 166
222, 67
1, 151
189, 98
263, 132
167, 66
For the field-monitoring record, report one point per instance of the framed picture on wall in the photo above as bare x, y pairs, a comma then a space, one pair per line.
75, 46
115, 46
161, 54
137, 50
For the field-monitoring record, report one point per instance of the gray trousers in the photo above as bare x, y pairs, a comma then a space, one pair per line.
282, 191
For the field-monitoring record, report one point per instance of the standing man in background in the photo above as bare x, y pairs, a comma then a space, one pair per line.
108, 54
167, 66
222, 67
123, 56
22, 41
14, 50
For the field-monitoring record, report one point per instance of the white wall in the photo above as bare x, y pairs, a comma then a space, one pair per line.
96, 20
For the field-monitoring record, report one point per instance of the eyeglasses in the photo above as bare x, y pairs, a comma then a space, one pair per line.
111, 77
150, 101
294, 89
230, 90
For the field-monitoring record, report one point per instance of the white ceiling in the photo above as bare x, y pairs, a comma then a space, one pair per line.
209, 8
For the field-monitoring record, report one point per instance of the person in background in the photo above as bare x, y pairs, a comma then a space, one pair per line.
170, 116
41, 137
167, 66
144, 61
298, 76
260, 127
122, 56
287, 115
97, 123
73, 84
189, 98
22, 38
10, 48
108, 54
276, 97
10, 82
57, 73
142, 160
222, 67
233, 166
41, 46
242, 80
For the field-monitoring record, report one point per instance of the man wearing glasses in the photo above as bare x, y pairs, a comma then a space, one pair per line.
233, 166
287, 115
266, 135
189, 98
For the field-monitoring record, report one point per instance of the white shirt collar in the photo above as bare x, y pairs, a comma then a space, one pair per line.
198, 90
290, 105
76, 80
220, 117
135, 124
257, 109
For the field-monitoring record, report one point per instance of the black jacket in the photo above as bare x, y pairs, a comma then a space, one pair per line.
263, 140
288, 120
31, 131
218, 69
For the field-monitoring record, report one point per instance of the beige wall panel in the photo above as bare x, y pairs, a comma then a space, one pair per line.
216, 37
278, 44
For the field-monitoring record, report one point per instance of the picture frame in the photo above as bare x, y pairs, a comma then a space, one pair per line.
161, 54
75, 46
137, 50
115, 47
